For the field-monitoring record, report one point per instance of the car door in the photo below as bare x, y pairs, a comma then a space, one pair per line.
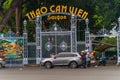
59, 60
66, 59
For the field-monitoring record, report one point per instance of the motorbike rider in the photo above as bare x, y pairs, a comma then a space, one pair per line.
103, 59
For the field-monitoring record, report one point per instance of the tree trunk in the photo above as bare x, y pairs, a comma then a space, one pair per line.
9, 13
18, 19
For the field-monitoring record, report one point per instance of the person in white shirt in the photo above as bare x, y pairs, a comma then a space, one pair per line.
87, 58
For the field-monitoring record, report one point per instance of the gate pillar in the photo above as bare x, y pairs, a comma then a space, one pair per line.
73, 33
118, 47
25, 60
88, 43
38, 39
118, 43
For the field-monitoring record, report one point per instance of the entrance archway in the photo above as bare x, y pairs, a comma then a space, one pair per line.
56, 39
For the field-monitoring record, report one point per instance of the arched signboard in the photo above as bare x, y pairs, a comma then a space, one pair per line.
57, 9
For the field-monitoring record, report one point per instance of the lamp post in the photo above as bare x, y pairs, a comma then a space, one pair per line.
25, 24
38, 19
72, 21
87, 22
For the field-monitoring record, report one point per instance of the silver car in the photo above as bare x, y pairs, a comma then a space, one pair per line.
71, 59
2, 63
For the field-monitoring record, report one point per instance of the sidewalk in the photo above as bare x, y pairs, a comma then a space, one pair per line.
110, 63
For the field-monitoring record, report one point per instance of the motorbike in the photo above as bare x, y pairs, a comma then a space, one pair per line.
102, 63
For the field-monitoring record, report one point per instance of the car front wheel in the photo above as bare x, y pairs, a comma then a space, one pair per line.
48, 65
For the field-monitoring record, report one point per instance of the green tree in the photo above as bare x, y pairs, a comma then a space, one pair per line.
7, 13
101, 13
106, 12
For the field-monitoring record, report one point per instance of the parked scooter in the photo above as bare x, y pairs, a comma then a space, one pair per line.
102, 63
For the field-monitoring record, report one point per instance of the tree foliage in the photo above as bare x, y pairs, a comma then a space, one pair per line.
101, 13
110, 40
106, 12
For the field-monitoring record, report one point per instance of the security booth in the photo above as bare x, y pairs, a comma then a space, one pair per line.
55, 38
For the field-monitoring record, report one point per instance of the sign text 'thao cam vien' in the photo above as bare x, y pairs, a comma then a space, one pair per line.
58, 8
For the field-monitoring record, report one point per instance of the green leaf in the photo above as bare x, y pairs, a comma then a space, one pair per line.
7, 4
1, 18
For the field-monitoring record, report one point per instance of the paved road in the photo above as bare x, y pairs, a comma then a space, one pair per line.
33, 73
